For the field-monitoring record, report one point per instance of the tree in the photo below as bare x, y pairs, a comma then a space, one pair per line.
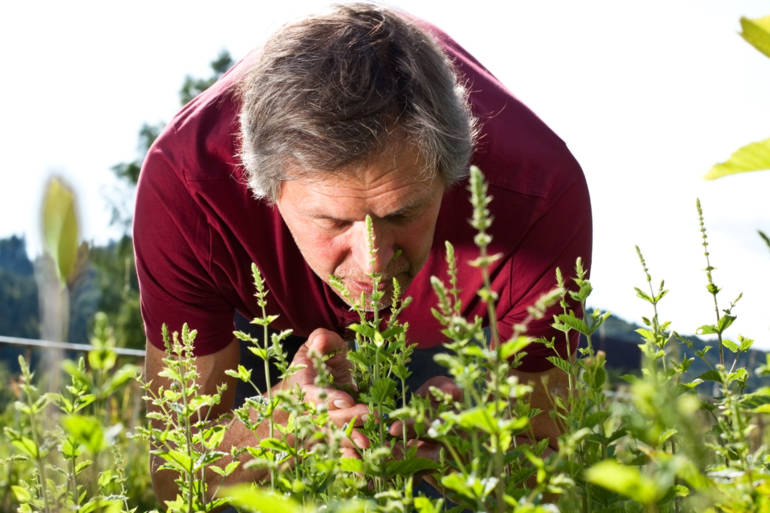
117, 283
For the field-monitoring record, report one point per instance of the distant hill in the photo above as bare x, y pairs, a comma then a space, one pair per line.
619, 340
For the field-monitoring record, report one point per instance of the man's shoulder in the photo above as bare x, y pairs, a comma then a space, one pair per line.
201, 142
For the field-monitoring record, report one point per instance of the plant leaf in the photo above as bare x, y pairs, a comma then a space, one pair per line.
757, 32
21, 493
623, 479
764, 237
752, 157
60, 227
246, 497
409, 467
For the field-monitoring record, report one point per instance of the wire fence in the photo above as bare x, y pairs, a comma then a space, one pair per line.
50, 344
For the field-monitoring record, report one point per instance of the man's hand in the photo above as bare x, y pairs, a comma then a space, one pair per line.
341, 406
211, 369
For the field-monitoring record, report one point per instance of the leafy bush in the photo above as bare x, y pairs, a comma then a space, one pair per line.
71, 450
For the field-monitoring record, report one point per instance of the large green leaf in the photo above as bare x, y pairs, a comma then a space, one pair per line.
86, 431
757, 32
60, 227
752, 157
623, 479
249, 498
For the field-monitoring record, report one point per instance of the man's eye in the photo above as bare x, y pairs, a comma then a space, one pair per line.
404, 218
334, 224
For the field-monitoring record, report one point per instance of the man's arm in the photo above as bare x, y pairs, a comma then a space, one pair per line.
557, 383
211, 370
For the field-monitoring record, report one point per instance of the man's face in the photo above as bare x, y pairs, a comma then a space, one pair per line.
326, 212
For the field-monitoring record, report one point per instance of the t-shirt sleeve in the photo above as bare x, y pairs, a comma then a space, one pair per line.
556, 239
172, 248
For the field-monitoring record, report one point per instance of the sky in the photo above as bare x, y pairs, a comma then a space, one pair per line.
647, 95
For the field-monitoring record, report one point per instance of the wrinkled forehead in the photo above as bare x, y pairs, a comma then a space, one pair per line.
399, 157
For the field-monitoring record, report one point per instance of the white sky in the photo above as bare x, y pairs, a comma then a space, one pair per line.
648, 95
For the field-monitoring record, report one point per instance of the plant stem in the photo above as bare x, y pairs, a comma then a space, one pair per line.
38, 460
266, 362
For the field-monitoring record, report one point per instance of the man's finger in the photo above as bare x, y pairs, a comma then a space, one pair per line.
342, 416
357, 440
333, 398
425, 449
397, 429
428, 449
325, 342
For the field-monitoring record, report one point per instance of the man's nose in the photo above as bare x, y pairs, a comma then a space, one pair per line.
367, 260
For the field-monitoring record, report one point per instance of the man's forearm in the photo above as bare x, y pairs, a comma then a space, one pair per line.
237, 436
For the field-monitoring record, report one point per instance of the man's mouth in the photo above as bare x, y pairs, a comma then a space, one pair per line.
367, 286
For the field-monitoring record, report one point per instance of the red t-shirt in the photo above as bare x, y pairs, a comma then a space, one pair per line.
197, 229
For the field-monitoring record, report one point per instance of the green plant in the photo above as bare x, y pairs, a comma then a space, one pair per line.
659, 442
180, 430
61, 458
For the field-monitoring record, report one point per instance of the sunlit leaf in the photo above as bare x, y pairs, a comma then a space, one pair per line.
456, 482
351, 465
21, 493
247, 497
479, 418
425, 505
729, 344
752, 157
623, 479
757, 32
724, 322
27, 446
574, 323
756, 399
60, 227
513, 346
86, 431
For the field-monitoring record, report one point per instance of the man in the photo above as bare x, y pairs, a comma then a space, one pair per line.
361, 111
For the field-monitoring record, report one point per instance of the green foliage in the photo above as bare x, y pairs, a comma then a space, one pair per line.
655, 443
67, 449
118, 290
60, 228
193, 86
181, 433
754, 156
757, 33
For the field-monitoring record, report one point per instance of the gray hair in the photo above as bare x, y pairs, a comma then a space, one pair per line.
336, 89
